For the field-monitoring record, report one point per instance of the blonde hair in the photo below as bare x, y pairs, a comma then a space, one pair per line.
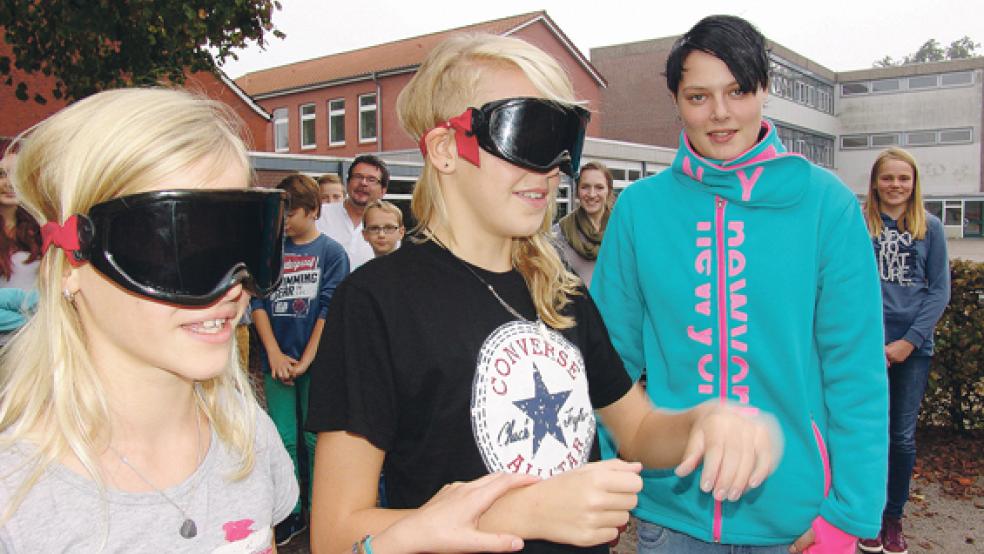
385, 206
442, 88
108, 145
913, 218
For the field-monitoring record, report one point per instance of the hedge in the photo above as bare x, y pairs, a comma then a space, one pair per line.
955, 395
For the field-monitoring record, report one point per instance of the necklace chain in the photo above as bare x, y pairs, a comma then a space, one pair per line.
515, 313
188, 527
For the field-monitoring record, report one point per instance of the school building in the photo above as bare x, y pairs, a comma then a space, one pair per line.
839, 120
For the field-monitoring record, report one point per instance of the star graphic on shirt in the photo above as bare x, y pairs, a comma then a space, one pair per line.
543, 409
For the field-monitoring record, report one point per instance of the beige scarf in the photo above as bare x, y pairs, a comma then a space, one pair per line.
581, 234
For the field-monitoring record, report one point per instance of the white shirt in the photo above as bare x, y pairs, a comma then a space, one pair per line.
336, 223
23, 275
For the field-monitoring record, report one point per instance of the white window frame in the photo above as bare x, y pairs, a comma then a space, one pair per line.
312, 117
332, 114
374, 108
277, 122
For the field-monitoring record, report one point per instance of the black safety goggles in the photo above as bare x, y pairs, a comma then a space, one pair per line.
187, 247
532, 133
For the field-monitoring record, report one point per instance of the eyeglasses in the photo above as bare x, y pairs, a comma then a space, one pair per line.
368, 179
187, 247
384, 229
532, 133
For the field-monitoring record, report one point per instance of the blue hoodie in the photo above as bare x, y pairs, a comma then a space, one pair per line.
915, 276
764, 262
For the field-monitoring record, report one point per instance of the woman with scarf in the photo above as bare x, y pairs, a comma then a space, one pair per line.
579, 233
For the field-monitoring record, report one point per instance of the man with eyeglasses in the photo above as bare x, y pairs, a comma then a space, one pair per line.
367, 180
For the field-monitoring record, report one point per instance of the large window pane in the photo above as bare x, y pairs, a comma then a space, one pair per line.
848, 89
955, 136
885, 85
307, 126
854, 141
336, 122
280, 130
923, 81
920, 138
953, 79
367, 117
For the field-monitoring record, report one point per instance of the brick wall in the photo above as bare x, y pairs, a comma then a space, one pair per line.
637, 106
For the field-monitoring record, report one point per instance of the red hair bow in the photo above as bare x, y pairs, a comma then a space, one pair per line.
64, 236
465, 138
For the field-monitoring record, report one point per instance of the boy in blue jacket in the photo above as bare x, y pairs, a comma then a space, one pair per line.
744, 273
290, 321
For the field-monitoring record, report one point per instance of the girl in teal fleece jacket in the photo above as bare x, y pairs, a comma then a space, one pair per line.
745, 273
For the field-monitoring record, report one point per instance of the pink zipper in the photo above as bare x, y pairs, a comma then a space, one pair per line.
822, 447
722, 314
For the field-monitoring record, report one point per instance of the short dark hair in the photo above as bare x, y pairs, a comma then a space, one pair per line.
375, 162
303, 192
732, 40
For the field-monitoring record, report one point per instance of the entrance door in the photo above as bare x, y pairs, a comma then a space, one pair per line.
973, 218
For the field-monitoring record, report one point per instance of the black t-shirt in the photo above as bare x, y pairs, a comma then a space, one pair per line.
420, 358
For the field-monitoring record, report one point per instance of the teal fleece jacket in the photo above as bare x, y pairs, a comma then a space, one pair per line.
755, 282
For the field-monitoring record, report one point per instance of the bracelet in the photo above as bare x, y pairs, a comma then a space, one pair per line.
364, 546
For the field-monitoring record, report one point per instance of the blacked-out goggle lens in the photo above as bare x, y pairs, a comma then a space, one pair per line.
533, 133
187, 247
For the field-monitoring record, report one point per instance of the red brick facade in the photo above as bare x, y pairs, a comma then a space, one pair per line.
382, 73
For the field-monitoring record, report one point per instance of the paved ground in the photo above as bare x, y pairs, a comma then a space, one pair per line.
968, 249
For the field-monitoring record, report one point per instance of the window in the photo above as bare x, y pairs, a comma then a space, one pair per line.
953, 212
307, 126
367, 117
617, 174
924, 81
634, 174
854, 141
847, 89
935, 207
887, 139
336, 122
885, 85
955, 136
956, 79
280, 130
920, 138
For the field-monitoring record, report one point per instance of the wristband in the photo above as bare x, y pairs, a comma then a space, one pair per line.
364, 546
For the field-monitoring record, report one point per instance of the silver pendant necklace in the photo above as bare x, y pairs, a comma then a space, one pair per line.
188, 528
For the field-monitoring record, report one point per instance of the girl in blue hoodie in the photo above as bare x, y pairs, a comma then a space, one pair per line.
910, 248
744, 273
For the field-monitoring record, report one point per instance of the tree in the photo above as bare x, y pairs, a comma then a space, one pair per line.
932, 51
91, 45
962, 48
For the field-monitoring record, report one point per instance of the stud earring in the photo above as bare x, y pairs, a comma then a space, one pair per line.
69, 296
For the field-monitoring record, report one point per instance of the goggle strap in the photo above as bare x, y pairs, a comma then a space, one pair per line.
66, 237
465, 138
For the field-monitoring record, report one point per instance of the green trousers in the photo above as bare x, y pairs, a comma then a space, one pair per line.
285, 404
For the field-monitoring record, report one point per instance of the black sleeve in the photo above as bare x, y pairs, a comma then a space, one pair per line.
607, 379
352, 385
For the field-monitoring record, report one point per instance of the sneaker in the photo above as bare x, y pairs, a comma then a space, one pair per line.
289, 528
871, 545
893, 541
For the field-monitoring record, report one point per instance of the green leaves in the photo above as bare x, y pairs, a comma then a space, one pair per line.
92, 46
955, 397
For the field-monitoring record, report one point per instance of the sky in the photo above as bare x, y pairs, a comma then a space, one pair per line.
840, 35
